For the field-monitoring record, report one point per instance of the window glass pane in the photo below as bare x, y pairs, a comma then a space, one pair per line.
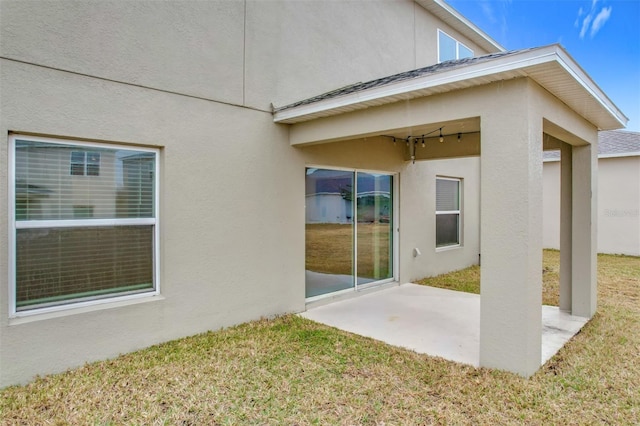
447, 47
77, 163
110, 183
329, 231
447, 195
93, 164
464, 52
447, 229
55, 265
374, 211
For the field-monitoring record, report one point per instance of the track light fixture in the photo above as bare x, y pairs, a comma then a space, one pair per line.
459, 137
441, 137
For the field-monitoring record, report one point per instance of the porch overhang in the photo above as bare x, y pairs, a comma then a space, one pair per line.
551, 67
508, 107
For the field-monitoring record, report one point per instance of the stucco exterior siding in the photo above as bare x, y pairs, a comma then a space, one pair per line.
618, 203
197, 50
298, 49
219, 195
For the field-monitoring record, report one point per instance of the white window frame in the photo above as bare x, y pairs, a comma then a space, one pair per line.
33, 224
458, 212
458, 44
395, 233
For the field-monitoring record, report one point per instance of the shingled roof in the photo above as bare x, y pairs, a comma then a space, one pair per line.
407, 75
611, 143
549, 66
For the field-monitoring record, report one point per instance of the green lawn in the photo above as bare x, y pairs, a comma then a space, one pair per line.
292, 371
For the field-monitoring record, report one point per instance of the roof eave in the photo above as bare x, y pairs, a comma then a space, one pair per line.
518, 65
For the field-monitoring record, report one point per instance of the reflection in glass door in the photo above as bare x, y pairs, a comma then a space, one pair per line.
374, 227
339, 231
329, 231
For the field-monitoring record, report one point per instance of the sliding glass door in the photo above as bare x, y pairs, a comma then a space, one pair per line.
349, 223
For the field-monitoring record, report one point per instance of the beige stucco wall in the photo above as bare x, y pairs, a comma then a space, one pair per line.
250, 52
196, 80
219, 196
418, 217
300, 49
551, 205
618, 204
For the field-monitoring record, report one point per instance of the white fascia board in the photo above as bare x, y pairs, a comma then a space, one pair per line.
576, 71
455, 14
493, 67
620, 155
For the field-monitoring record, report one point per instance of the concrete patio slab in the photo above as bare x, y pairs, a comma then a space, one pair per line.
432, 321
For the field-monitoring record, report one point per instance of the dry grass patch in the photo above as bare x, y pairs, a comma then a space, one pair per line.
468, 279
292, 371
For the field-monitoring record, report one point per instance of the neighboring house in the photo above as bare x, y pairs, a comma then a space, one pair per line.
618, 194
159, 156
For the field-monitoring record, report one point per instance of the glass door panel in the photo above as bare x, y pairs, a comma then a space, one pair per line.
374, 227
329, 231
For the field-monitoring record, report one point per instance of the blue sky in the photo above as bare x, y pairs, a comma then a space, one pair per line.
603, 36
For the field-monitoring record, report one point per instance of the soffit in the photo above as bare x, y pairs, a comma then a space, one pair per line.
550, 66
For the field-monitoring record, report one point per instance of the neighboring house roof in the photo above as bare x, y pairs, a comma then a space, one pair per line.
611, 143
550, 66
618, 143
455, 20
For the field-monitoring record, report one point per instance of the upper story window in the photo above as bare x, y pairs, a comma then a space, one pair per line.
80, 242
449, 48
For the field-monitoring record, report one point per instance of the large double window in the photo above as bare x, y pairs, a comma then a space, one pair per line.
448, 192
84, 219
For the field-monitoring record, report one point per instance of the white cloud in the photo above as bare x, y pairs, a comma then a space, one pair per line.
488, 11
580, 12
600, 20
591, 23
585, 25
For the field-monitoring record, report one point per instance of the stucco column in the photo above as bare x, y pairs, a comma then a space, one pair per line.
584, 229
565, 226
511, 233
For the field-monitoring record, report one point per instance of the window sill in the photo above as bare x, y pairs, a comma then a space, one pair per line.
66, 310
448, 248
